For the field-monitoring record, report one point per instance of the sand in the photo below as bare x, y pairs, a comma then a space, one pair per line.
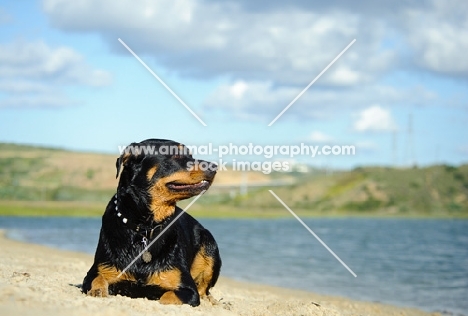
36, 280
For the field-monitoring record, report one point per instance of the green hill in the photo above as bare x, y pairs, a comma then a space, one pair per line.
431, 191
30, 173
40, 181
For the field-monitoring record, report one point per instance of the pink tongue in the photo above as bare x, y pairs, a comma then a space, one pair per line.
182, 186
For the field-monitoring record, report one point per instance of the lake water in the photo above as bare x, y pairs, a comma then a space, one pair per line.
406, 262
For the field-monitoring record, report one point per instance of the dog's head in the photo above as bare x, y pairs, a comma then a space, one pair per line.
158, 173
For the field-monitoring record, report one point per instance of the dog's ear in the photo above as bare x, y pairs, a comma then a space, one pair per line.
125, 155
117, 165
121, 161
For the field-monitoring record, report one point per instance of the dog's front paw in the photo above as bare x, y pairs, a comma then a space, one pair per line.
98, 292
99, 287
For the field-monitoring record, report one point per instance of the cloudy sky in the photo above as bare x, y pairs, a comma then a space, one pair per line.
67, 81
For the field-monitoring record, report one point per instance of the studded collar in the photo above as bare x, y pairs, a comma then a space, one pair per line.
146, 231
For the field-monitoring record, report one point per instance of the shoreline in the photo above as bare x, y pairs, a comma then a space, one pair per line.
37, 280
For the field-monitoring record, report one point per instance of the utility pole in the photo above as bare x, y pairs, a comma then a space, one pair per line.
244, 183
394, 149
409, 151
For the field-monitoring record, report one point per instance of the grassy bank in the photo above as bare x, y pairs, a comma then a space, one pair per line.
50, 208
86, 209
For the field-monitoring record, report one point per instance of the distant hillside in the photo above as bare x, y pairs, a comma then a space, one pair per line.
35, 173
431, 191
44, 174
31, 173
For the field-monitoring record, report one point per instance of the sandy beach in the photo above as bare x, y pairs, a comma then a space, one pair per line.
36, 280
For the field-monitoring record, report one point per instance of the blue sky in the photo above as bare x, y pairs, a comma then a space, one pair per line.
66, 81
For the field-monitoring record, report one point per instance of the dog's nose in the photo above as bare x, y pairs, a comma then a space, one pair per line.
213, 166
210, 172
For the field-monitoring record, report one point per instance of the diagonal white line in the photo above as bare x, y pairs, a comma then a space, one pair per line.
312, 82
313, 234
160, 234
162, 82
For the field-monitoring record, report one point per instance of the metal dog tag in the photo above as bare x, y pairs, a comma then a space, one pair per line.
146, 256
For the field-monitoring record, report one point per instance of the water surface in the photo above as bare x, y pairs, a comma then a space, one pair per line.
406, 262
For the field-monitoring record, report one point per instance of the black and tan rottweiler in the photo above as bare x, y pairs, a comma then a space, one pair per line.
182, 264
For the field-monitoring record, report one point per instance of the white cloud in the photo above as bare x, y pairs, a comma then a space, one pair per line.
263, 100
34, 74
319, 137
203, 38
286, 42
270, 50
38, 61
54, 100
439, 36
249, 100
24, 86
374, 118
238, 89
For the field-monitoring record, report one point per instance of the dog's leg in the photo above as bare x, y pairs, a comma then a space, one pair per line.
206, 267
99, 287
202, 272
179, 285
100, 277
95, 284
